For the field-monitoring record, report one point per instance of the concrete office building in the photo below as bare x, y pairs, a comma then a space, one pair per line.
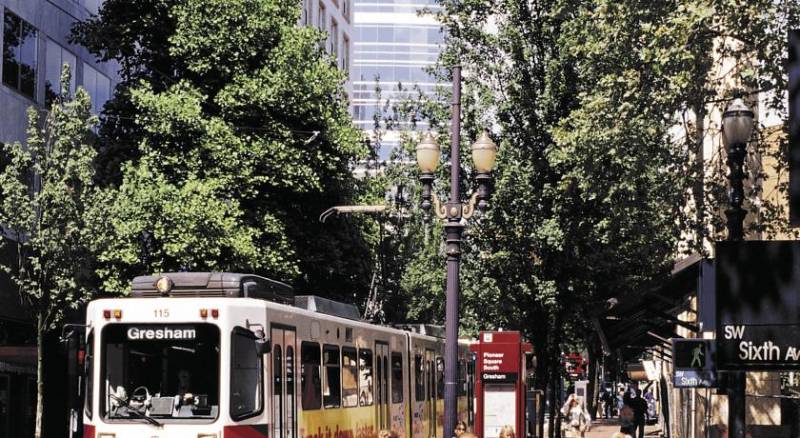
393, 45
336, 18
35, 46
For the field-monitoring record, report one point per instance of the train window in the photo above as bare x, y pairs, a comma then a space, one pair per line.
430, 390
310, 375
161, 362
439, 378
349, 377
290, 399
247, 398
331, 392
419, 379
365, 398
89, 374
397, 378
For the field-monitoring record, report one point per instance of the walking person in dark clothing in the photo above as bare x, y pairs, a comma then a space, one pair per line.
639, 405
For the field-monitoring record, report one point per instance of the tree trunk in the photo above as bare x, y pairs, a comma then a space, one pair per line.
591, 396
551, 425
542, 379
559, 389
39, 376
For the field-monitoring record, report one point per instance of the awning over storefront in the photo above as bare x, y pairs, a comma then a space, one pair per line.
637, 321
18, 359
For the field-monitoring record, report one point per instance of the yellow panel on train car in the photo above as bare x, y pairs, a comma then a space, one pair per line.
338, 423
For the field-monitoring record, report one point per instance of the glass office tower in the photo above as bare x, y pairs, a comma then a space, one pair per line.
392, 45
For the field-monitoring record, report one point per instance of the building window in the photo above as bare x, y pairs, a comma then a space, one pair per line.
310, 376
55, 59
334, 37
321, 17
19, 54
308, 12
346, 55
97, 85
346, 10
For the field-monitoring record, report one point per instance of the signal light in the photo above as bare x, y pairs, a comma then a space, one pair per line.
117, 313
204, 313
164, 285
107, 314
215, 313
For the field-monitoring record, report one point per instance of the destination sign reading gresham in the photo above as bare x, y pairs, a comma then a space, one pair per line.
758, 305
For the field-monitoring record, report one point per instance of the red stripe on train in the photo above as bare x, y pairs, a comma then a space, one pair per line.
88, 431
251, 431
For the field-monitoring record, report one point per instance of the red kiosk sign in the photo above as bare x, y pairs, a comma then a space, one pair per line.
500, 384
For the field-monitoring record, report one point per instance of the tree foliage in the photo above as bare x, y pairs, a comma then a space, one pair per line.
227, 138
610, 163
46, 188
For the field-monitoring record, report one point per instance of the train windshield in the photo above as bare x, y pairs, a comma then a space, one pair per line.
160, 372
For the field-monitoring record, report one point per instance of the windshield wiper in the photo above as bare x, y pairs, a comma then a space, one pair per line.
149, 419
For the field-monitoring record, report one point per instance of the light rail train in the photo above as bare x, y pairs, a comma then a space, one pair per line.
223, 355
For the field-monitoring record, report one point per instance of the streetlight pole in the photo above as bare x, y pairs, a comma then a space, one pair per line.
737, 126
453, 213
453, 230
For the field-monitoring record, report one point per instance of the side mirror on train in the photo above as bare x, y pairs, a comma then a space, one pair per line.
263, 346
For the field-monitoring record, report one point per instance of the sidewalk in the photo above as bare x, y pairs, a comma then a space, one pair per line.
606, 428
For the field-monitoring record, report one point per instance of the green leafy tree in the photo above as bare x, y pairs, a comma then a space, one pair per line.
229, 101
45, 190
594, 187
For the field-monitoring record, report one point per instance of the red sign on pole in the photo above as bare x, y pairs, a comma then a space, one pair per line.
500, 384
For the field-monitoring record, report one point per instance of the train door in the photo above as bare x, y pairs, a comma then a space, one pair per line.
284, 402
382, 386
430, 393
418, 412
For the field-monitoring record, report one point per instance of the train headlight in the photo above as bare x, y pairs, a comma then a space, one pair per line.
206, 435
106, 435
164, 285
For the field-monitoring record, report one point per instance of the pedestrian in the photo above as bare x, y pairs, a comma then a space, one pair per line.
607, 401
626, 416
620, 399
506, 431
461, 427
578, 419
639, 407
624, 432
